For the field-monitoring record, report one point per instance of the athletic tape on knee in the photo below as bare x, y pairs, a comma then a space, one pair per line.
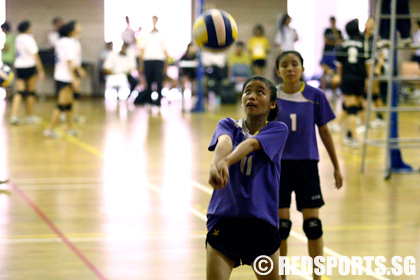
284, 229
312, 228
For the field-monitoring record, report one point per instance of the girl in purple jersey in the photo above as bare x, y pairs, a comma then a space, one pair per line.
245, 173
301, 108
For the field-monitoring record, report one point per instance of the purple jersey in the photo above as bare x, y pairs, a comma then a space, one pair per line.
301, 111
253, 187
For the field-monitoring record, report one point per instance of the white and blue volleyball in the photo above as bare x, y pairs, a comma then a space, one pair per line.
215, 30
6, 75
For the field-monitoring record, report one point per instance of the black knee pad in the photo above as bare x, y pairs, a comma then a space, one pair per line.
312, 228
375, 97
76, 95
284, 229
64, 108
23, 93
352, 110
31, 93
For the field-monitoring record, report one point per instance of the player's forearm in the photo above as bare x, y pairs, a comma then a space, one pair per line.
242, 150
223, 148
39, 66
327, 140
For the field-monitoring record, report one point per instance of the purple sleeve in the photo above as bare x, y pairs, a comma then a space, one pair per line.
272, 138
325, 112
225, 126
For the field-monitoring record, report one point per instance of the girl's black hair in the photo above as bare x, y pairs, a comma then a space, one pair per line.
67, 28
6, 26
272, 115
259, 27
283, 54
283, 21
24, 26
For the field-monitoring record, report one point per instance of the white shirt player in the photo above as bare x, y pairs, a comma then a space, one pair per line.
120, 64
26, 48
78, 49
52, 38
154, 46
65, 51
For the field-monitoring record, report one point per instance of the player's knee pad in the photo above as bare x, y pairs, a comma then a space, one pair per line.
375, 97
31, 93
64, 107
312, 228
22, 93
76, 95
284, 229
352, 110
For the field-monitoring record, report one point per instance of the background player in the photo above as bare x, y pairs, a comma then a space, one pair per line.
352, 71
301, 108
245, 171
28, 66
66, 79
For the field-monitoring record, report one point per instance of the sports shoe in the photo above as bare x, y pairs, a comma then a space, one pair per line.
406, 42
73, 132
51, 133
360, 129
335, 128
351, 142
63, 117
355, 143
79, 119
33, 119
383, 43
377, 123
14, 120
347, 141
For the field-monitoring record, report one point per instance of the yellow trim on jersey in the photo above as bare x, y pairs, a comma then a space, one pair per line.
301, 91
266, 122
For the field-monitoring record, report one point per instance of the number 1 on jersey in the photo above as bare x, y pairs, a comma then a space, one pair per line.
293, 118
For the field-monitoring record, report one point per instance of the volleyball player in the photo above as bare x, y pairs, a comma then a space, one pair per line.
352, 70
66, 79
245, 172
302, 107
28, 66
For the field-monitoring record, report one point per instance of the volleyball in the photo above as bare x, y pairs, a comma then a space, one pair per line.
215, 30
6, 75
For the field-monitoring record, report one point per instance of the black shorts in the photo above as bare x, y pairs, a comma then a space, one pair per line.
301, 177
259, 62
60, 85
353, 85
25, 73
242, 240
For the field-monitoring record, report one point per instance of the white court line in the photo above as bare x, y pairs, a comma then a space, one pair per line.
295, 234
125, 239
35, 181
59, 187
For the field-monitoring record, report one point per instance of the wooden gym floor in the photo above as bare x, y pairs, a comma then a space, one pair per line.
128, 198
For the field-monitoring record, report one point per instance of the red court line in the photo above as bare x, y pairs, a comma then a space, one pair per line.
61, 235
